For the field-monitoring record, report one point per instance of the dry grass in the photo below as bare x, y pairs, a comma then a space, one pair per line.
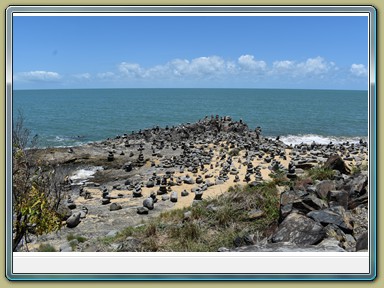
212, 224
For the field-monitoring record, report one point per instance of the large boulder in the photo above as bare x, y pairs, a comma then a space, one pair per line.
335, 162
299, 229
73, 220
362, 242
323, 188
64, 212
335, 215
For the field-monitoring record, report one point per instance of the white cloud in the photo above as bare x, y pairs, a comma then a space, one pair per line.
106, 75
314, 66
245, 70
131, 70
37, 76
248, 62
209, 67
358, 70
283, 65
83, 76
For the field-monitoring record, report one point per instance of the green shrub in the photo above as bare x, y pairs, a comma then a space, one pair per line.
234, 152
320, 173
81, 239
46, 248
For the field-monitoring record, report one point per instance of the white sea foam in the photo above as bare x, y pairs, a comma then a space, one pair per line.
84, 174
318, 139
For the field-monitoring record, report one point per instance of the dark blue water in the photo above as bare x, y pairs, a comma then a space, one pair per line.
72, 117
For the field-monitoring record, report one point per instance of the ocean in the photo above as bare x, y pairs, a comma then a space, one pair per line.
70, 117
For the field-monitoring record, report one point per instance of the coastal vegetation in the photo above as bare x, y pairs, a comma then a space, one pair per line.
36, 193
245, 213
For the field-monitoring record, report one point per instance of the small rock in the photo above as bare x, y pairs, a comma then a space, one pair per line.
165, 197
174, 197
142, 210
115, 207
148, 203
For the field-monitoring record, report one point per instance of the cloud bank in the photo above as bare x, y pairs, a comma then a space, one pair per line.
40, 76
245, 70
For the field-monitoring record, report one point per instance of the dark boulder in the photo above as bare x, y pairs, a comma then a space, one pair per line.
73, 220
335, 162
335, 215
362, 242
338, 198
299, 229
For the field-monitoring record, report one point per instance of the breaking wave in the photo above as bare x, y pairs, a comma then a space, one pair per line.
318, 139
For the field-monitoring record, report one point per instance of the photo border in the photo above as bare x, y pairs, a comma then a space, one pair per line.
196, 9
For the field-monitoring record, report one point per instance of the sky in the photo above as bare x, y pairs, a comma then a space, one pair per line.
298, 52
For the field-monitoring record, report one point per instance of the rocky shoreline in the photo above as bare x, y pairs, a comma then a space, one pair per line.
132, 178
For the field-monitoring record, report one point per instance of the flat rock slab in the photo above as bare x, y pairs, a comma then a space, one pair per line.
142, 210
287, 247
299, 229
334, 215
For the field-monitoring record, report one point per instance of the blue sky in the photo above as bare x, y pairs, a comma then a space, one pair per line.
326, 52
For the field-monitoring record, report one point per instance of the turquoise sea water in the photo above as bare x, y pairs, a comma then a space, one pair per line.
74, 116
